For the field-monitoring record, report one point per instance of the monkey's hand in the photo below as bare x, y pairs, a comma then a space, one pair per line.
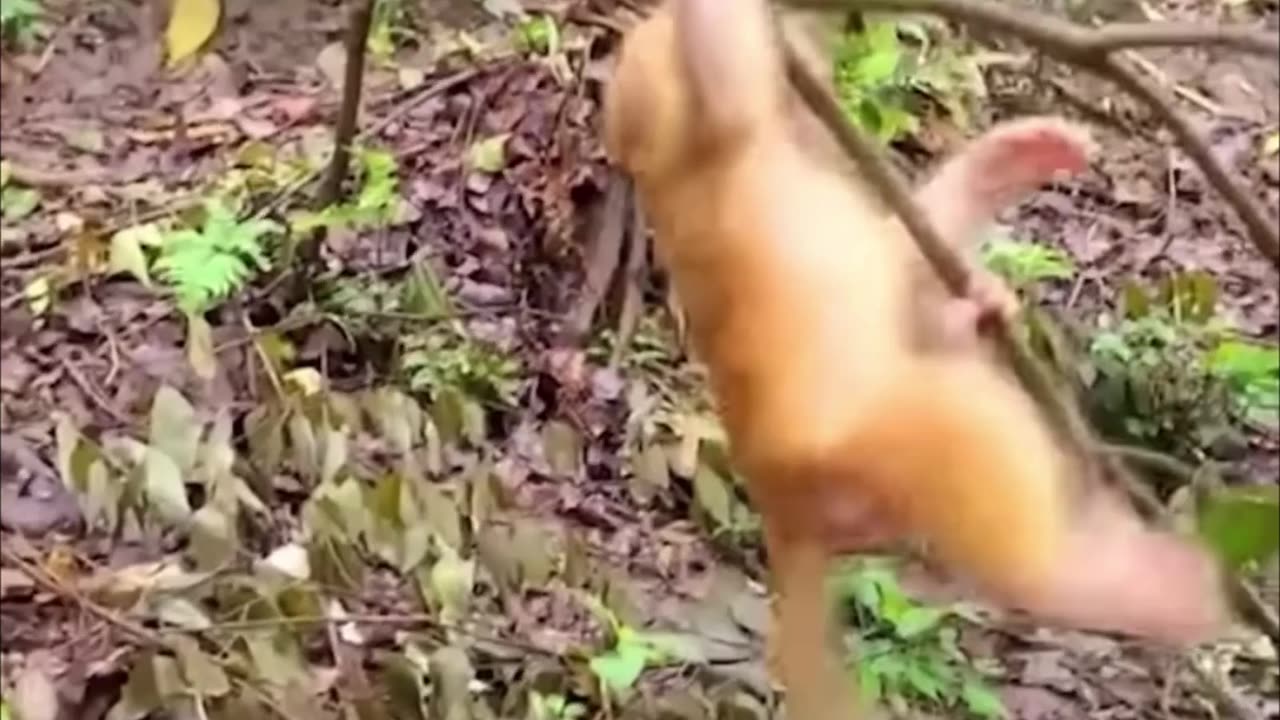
989, 302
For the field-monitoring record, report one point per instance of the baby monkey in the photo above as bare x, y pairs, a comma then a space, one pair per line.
846, 389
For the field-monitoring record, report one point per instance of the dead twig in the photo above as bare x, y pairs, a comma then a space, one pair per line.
632, 295
141, 635
604, 256
93, 393
1095, 49
1073, 38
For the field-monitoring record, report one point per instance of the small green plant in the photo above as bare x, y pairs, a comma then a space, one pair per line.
1169, 374
1023, 264
907, 651
554, 707
869, 78
1252, 372
204, 266
375, 205
877, 77
538, 34
386, 27
18, 18
631, 650
15, 202
649, 352
445, 357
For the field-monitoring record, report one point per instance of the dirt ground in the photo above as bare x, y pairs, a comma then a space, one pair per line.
94, 121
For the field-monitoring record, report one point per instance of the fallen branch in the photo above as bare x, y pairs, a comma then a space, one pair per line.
1095, 50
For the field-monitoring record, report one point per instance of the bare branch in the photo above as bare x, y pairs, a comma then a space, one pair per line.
1068, 37
352, 84
1093, 49
1059, 406
1121, 36
1060, 409
1262, 230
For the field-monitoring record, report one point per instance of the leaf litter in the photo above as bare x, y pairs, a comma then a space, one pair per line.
485, 553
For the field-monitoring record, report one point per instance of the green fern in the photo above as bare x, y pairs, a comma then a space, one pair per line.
203, 266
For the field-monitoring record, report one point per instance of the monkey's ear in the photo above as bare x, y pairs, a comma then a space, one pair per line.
729, 54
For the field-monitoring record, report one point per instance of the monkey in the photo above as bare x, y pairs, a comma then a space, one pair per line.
800, 296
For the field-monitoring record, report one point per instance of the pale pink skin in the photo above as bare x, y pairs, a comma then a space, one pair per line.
1116, 574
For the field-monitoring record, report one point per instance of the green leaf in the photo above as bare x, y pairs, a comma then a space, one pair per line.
452, 579
205, 676
127, 254
489, 155
712, 495
204, 266
1023, 263
212, 538
620, 668
17, 203
918, 620
164, 486
870, 685
175, 430
182, 613
538, 34
918, 678
1242, 524
980, 700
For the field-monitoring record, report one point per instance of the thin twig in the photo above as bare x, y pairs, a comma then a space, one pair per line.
1059, 406
87, 386
1226, 696
604, 255
345, 129
138, 633
953, 271
1080, 45
1262, 230
632, 296
1061, 34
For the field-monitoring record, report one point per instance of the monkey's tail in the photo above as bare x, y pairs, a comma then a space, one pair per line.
963, 460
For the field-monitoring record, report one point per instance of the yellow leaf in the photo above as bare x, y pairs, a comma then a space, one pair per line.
200, 350
1271, 145
307, 380
38, 294
191, 24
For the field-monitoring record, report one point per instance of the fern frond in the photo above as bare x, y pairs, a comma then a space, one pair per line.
207, 265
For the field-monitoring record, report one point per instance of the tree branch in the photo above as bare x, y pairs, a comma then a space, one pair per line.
1058, 405
1071, 37
344, 132
1094, 49
1062, 412
1132, 36
1262, 230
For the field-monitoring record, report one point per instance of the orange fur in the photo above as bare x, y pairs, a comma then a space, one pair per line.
799, 296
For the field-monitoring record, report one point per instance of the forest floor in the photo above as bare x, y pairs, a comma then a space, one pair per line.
573, 471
